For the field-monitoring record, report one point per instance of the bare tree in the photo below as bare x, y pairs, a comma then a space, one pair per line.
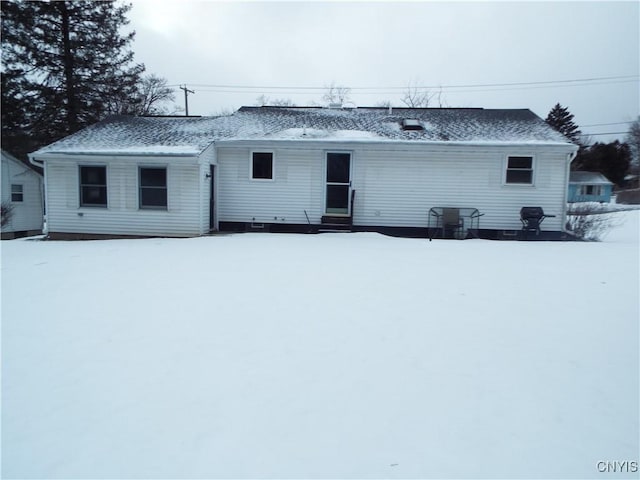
416, 97
384, 104
263, 101
153, 95
633, 140
337, 94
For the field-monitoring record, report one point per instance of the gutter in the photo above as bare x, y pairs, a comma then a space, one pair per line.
570, 158
45, 210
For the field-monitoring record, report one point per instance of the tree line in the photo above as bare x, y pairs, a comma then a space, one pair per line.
614, 160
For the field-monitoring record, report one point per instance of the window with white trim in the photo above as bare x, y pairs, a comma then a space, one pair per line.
17, 192
591, 190
153, 187
262, 165
519, 170
93, 186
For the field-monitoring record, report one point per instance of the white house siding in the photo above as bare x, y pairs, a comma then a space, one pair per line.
395, 185
27, 216
123, 215
297, 186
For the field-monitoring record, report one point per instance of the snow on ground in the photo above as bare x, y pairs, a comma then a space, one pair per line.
320, 356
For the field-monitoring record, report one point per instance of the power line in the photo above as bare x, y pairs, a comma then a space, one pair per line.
605, 133
603, 124
624, 78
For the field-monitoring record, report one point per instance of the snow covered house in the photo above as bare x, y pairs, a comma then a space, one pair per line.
589, 187
305, 168
22, 193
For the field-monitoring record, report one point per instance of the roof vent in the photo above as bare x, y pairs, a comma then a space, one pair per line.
335, 105
412, 124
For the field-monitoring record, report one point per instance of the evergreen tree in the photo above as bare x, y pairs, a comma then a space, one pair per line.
561, 120
65, 66
611, 159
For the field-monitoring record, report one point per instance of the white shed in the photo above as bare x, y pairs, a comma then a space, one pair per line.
22, 195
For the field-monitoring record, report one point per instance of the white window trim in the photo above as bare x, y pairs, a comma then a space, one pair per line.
533, 170
79, 183
151, 208
21, 192
273, 166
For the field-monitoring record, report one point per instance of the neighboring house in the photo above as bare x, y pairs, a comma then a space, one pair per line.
22, 192
297, 168
589, 187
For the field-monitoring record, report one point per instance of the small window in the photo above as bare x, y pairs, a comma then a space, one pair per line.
262, 165
153, 188
17, 195
520, 170
93, 186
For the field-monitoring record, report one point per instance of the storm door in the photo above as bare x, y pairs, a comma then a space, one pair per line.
338, 183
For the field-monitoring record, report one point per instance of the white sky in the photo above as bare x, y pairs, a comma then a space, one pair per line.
393, 44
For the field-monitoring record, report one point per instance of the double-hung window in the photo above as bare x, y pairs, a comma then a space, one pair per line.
93, 186
153, 187
262, 165
519, 170
17, 194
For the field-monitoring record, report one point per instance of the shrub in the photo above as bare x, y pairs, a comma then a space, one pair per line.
6, 212
589, 222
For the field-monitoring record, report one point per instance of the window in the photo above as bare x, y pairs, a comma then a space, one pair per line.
590, 190
520, 170
153, 187
93, 186
17, 195
262, 165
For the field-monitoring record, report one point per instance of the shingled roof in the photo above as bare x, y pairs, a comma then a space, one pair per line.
191, 135
590, 178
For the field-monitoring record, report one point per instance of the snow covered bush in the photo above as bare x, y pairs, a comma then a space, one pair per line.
589, 221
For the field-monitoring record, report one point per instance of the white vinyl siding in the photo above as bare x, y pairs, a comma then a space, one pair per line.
395, 185
297, 186
182, 217
27, 213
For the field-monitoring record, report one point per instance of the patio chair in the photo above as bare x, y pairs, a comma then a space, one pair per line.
452, 222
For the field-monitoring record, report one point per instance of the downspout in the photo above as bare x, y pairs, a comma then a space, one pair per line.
570, 158
45, 211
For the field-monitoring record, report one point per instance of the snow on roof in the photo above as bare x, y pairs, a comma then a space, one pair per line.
121, 134
191, 135
591, 178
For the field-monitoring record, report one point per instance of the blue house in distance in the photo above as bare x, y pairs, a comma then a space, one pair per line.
589, 187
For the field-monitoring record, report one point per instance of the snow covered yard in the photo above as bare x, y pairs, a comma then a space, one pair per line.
320, 356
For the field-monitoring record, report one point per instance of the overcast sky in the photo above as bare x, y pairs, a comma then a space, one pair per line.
378, 48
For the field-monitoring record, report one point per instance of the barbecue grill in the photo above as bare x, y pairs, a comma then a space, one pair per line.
531, 218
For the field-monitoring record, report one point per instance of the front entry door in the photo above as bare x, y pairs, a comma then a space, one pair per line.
338, 183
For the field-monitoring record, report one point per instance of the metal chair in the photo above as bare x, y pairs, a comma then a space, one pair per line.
452, 222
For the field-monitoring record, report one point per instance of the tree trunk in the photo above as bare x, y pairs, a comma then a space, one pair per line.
72, 101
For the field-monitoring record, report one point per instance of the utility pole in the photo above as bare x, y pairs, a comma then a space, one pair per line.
186, 102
